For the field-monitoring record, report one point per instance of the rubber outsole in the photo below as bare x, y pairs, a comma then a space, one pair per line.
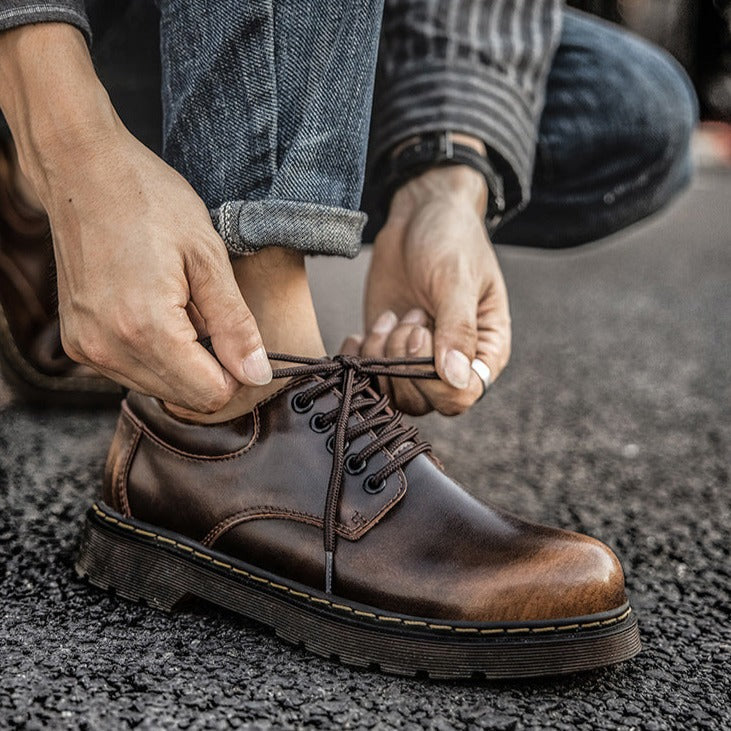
143, 563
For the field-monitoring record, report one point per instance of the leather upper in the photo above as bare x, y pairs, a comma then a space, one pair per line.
254, 488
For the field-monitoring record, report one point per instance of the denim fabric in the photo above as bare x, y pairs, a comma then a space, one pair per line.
613, 141
266, 114
266, 110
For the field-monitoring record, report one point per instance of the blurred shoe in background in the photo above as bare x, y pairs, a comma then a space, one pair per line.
31, 356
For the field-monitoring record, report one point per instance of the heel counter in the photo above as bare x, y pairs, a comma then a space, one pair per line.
122, 450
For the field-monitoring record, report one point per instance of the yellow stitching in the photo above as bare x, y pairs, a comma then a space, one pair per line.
343, 607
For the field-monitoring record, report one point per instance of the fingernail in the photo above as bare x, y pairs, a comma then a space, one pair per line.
257, 368
413, 317
357, 339
416, 340
385, 323
457, 369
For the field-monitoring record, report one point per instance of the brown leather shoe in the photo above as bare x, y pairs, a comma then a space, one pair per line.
31, 356
322, 515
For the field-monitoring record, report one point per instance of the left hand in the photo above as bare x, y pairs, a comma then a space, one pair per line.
435, 288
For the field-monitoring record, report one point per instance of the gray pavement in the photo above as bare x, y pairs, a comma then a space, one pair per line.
612, 419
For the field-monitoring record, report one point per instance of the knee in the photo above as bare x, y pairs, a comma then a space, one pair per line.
674, 109
658, 109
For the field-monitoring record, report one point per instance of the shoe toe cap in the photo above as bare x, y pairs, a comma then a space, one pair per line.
568, 575
576, 576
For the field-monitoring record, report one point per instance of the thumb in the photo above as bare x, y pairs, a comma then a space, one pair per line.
455, 337
233, 330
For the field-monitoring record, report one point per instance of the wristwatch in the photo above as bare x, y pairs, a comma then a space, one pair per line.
436, 149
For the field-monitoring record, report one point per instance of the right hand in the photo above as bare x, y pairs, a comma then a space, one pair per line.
142, 274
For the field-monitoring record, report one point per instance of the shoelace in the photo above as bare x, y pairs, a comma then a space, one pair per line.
353, 376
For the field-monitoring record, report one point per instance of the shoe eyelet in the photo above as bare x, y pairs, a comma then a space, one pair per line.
372, 487
317, 424
300, 404
353, 465
330, 444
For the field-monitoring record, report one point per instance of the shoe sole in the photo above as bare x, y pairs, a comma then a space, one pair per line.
143, 563
41, 389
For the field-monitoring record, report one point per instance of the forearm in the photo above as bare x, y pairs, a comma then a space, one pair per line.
52, 99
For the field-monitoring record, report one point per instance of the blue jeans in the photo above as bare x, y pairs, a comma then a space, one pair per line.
265, 110
614, 138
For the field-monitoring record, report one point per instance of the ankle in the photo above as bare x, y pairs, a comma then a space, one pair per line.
275, 286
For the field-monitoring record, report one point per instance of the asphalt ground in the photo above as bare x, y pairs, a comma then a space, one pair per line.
612, 419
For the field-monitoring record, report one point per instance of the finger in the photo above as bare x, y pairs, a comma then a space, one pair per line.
234, 333
351, 345
186, 375
417, 316
455, 335
409, 341
201, 383
438, 394
374, 344
494, 329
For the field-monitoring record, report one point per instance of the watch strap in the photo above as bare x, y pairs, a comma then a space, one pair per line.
438, 149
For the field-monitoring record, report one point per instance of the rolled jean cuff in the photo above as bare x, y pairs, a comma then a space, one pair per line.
313, 228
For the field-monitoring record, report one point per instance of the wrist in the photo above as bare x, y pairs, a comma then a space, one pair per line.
53, 101
460, 184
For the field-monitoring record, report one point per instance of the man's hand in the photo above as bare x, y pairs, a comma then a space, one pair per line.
435, 288
141, 271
